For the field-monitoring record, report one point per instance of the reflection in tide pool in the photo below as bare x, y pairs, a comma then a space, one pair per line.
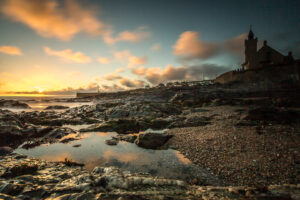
94, 152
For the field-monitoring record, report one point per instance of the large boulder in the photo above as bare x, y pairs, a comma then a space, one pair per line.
5, 150
152, 140
13, 104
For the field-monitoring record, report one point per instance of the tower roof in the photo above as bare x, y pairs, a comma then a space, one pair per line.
250, 34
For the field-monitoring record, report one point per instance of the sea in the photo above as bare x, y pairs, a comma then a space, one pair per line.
39, 103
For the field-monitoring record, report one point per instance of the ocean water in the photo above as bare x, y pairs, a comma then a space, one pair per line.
39, 103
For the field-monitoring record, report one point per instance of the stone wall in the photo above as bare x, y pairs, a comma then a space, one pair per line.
268, 74
82, 95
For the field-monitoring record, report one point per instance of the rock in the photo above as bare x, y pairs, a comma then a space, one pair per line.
191, 122
10, 135
20, 169
122, 126
158, 124
54, 180
112, 141
13, 104
56, 107
60, 132
76, 145
152, 140
128, 138
271, 114
100, 108
144, 110
8, 197
5, 150
67, 140
31, 144
71, 163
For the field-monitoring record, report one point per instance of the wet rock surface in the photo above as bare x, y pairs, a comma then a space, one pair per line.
13, 104
56, 107
40, 179
152, 140
14, 131
245, 136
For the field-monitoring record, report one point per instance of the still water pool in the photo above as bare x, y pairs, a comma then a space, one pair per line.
94, 152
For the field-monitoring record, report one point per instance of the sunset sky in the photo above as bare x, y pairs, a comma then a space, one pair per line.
58, 47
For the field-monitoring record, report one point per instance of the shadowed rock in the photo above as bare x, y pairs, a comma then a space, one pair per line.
275, 115
56, 107
152, 140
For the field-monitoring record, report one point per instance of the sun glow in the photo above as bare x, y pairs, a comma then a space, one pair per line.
39, 89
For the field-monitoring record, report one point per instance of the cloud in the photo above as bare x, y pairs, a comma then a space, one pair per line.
51, 18
122, 55
104, 60
133, 60
2, 84
68, 55
11, 50
75, 74
112, 77
121, 69
110, 88
156, 47
137, 35
171, 73
131, 83
126, 56
189, 47
236, 45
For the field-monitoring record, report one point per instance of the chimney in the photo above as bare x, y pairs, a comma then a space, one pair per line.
265, 43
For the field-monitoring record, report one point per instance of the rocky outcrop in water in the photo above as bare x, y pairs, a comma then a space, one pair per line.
152, 140
13, 104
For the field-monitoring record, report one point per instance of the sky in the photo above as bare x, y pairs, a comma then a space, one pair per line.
60, 47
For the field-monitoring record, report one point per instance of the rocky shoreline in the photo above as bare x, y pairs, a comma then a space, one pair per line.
248, 139
22, 177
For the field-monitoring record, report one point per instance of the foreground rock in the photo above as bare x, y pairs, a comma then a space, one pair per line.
152, 140
22, 177
14, 131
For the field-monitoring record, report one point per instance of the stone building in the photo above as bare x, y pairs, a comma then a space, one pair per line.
265, 56
266, 66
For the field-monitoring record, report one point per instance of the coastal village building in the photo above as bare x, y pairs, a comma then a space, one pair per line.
266, 55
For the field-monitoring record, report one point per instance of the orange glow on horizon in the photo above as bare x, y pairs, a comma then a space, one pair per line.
30, 95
